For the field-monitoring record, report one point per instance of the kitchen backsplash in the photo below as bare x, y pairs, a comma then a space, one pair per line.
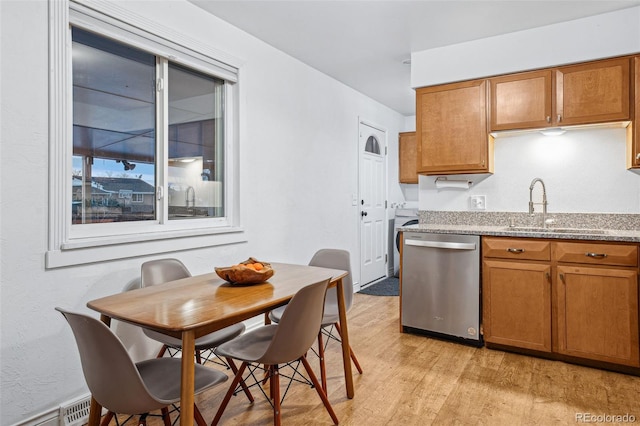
584, 172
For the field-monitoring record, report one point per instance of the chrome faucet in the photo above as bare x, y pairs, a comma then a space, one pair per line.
544, 200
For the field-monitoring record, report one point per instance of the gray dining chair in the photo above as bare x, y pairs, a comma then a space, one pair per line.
124, 387
284, 343
163, 270
334, 259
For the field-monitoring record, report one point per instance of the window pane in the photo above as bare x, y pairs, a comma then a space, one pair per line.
196, 144
113, 131
372, 145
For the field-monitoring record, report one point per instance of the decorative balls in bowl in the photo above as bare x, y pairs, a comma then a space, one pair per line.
251, 271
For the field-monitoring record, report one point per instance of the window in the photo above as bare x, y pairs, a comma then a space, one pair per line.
144, 145
372, 145
115, 135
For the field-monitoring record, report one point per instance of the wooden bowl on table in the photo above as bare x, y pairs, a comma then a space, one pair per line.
251, 271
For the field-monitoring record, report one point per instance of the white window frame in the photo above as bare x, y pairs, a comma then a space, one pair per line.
78, 244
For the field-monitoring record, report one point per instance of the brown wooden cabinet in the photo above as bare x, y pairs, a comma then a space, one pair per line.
521, 101
516, 293
594, 92
576, 299
597, 301
407, 154
451, 129
633, 131
598, 314
587, 93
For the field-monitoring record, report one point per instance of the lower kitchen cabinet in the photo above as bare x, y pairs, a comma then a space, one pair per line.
598, 314
517, 304
572, 300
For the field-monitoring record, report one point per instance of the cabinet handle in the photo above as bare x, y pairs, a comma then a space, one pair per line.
596, 255
638, 156
515, 250
559, 118
546, 274
548, 119
562, 278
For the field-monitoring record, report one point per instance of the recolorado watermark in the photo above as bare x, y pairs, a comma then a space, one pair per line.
605, 418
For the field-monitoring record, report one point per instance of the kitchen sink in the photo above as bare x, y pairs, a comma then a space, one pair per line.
556, 230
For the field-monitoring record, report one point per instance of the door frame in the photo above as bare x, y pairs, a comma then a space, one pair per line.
385, 162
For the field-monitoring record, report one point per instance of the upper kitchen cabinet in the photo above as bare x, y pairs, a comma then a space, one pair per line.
587, 93
407, 153
595, 92
451, 128
633, 131
521, 101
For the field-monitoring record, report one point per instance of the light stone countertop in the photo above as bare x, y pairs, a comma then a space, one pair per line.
573, 226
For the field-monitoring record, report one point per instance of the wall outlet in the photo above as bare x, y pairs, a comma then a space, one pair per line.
478, 202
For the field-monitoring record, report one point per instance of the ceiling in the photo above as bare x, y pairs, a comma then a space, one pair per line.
364, 43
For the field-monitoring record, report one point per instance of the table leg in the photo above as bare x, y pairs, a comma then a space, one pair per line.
346, 348
187, 384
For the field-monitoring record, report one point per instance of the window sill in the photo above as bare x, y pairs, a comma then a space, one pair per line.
91, 250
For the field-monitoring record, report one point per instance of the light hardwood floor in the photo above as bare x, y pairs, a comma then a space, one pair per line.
415, 380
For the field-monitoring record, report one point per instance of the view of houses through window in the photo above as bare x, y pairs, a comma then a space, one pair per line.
119, 124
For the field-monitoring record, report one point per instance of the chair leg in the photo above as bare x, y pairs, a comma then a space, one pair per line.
142, 421
198, 358
163, 349
323, 369
321, 393
197, 415
165, 416
107, 418
246, 390
275, 394
353, 355
227, 397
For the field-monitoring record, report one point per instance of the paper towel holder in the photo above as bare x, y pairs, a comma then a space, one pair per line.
444, 182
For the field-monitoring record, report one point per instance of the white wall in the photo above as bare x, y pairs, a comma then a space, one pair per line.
298, 165
583, 170
600, 36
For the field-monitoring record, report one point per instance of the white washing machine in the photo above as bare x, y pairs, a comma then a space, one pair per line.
404, 217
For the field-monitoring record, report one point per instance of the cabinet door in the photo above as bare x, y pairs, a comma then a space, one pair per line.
633, 131
451, 128
595, 92
598, 314
521, 101
517, 304
408, 156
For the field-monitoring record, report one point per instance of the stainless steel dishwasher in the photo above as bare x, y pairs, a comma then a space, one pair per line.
441, 286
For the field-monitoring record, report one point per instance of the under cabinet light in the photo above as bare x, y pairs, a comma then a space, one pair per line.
557, 131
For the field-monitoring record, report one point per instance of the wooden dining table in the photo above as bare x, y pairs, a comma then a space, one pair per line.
193, 307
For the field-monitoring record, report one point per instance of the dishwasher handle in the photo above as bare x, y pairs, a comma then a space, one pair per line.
441, 244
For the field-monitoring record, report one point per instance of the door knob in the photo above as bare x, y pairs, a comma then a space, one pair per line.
363, 213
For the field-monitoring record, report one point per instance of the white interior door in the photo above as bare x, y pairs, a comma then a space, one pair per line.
373, 221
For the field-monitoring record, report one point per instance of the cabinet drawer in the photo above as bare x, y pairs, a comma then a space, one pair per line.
514, 248
596, 253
